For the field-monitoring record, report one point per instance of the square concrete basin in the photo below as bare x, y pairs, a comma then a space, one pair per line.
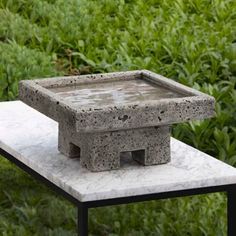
103, 115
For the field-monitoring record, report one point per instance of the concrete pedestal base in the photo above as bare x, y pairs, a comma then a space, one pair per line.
101, 151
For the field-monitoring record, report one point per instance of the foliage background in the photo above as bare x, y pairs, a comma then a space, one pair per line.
192, 42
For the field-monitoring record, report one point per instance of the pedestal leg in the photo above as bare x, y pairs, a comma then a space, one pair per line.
98, 155
82, 220
65, 144
157, 146
231, 211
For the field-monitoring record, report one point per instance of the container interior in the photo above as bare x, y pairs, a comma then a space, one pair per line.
115, 92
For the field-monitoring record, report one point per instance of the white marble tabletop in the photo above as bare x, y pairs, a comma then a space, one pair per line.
32, 138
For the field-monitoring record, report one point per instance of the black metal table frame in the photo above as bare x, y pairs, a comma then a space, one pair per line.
83, 207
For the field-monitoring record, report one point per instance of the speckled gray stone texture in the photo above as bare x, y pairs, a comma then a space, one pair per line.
101, 151
102, 115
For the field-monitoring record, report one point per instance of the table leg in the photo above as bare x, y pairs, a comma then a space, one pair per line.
82, 220
232, 211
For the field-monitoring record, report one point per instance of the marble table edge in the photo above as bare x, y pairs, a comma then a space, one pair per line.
161, 189
40, 171
111, 194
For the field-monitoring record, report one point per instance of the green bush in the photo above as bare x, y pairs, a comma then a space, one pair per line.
192, 42
19, 62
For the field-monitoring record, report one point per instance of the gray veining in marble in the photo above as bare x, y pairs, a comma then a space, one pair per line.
32, 138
